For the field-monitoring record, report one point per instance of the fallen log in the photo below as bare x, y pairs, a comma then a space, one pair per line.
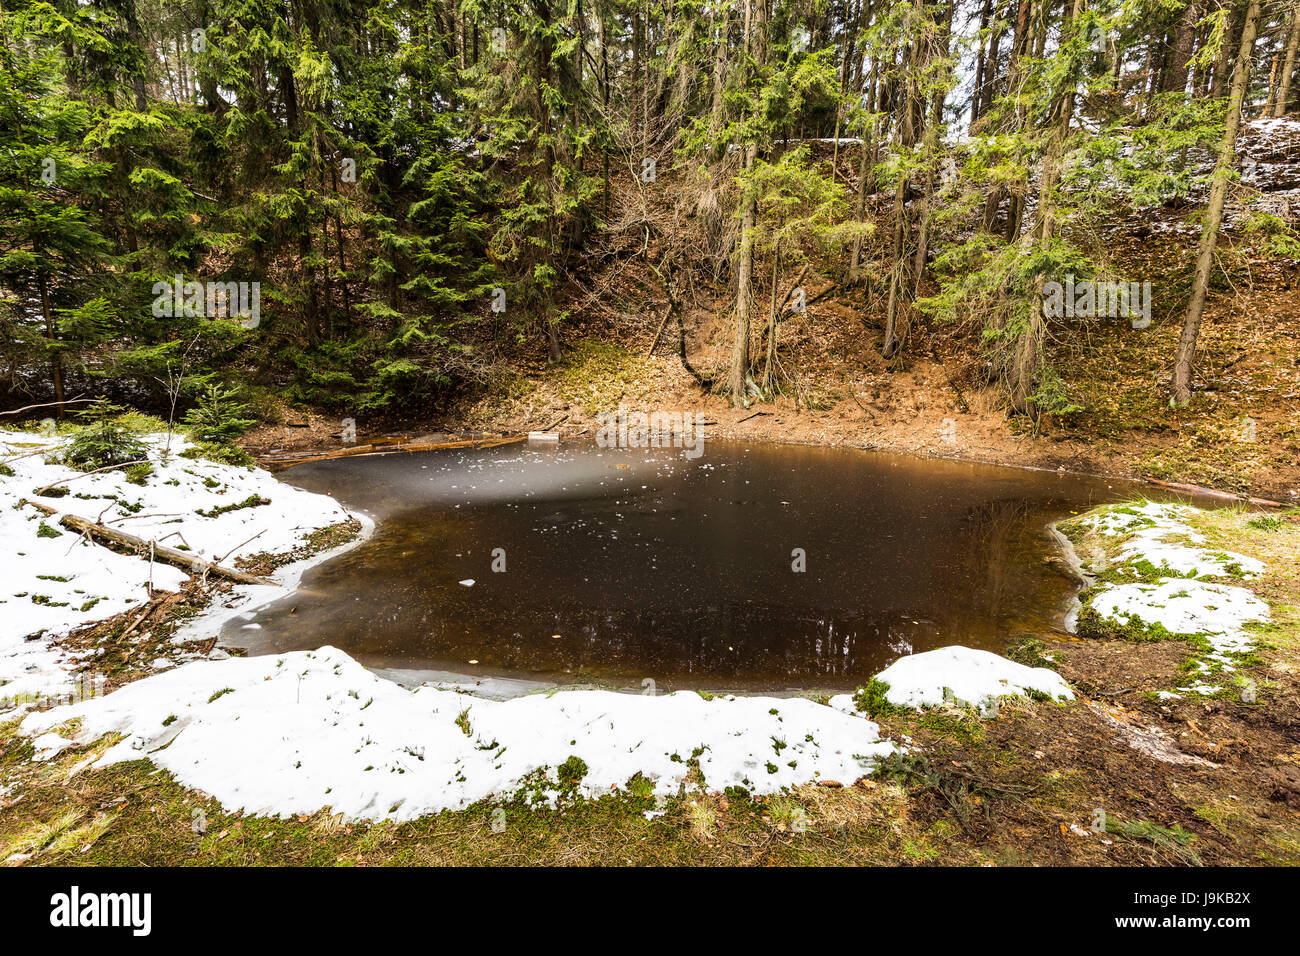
363, 451
503, 441
180, 559
1210, 492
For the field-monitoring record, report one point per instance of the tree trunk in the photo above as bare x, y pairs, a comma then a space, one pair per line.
187, 561
1020, 44
744, 281
864, 172
986, 47
52, 330
1182, 386
1223, 58
850, 25
745, 264
1028, 358
1175, 75
769, 364
1288, 64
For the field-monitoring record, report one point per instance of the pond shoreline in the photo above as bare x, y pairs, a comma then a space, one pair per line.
1124, 740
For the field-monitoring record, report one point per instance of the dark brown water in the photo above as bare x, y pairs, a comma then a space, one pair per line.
626, 565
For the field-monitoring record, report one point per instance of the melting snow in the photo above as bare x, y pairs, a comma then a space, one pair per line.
55, 581
968, 675
296, 732
1187, 607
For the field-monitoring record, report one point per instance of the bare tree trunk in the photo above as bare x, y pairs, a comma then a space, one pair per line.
769, 379
1175, 75
898, 267
1020, 45
51, 330
850, 27
1182, 387
744, 283
1028, 357
913, 65
864, 171
991, 62
1223, 58
745, 265
1288, 64
1272, 87
986, 48
604, 67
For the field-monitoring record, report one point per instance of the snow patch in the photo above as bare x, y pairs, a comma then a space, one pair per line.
293, 733
967, 675
55, 580
1217, 611
1155, 533
1161, 535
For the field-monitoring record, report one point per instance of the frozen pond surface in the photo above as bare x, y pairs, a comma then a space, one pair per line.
623, 566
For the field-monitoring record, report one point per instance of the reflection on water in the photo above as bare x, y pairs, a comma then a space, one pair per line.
623, 565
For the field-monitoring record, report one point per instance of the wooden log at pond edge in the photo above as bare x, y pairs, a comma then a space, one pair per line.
1211, 493
373, 448
187, 562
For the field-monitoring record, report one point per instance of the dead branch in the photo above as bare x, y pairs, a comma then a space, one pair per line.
180, 559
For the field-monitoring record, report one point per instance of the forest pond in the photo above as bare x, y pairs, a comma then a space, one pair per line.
622, 566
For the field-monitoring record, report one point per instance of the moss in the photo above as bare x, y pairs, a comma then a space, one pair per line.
959, 723
1174, 840
1028, 650
871, 699
139, 474
221, 454
1266, 523
572, 770
596, 374
1092, 625
252, 501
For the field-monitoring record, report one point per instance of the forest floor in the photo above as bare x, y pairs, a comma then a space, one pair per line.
1125, 774
844, 393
